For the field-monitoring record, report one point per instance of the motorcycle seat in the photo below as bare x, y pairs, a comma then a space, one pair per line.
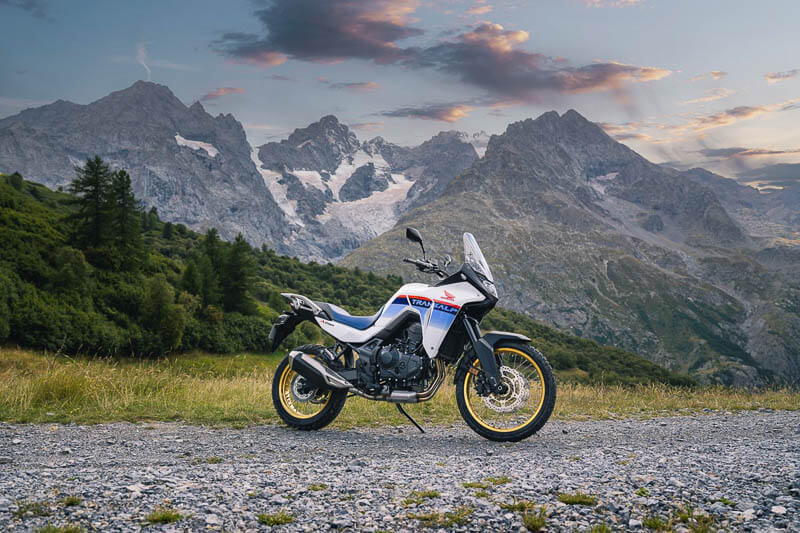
341, 316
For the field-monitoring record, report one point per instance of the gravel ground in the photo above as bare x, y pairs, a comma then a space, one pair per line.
742, 469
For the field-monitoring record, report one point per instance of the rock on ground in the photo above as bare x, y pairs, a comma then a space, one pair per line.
743, 470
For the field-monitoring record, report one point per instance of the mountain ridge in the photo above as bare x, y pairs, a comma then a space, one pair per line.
596, 240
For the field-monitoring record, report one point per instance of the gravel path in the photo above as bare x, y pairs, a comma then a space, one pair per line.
742, 469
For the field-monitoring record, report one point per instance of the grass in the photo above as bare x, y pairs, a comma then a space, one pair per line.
727, 502
656, 523
235, 390
163, 515
520, 506
600, 528
25, 507
275, 519
475, 485
457, 517
535, 520
317, 487
642, 491
481, 494
502, 480
578, 498
417, 497
69, 528
71, 501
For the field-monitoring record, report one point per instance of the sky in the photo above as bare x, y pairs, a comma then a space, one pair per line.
713, 83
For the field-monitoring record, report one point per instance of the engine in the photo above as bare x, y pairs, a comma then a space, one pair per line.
399, 365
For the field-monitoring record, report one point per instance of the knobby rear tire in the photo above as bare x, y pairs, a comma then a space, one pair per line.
532, 426
325, 416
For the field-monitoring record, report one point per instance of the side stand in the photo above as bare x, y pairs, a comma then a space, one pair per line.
403, 411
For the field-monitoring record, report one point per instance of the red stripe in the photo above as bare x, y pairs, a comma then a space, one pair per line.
420, 298
448, 303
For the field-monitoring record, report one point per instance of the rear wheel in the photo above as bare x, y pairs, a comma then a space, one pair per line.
299, 404
523, 409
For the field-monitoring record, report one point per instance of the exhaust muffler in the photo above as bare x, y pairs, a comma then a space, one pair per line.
319, 375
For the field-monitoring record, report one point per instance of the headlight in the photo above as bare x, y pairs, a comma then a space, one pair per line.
489, 286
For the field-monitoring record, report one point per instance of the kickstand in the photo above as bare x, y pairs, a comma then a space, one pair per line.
400, 408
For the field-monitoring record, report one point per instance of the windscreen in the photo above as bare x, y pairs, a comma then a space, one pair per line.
474, 257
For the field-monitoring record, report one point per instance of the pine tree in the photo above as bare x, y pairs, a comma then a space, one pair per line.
124, 223
212, 248
191, 281
237, 278
211, 291
91, 188
16, 180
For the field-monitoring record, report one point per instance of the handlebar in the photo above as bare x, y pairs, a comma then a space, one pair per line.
426, 266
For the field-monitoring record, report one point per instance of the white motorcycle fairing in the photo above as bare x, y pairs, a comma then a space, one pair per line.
436, 306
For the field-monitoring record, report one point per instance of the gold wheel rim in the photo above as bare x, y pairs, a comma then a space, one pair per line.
293, 406
506, 422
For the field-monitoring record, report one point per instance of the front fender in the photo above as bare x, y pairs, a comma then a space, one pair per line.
488, 341
494, 337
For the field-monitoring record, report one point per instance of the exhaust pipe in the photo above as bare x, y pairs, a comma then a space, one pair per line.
409, 396
316, 373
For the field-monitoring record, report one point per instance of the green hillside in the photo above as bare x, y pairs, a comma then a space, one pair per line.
134, 285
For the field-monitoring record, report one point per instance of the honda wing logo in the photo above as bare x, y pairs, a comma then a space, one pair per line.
448, 296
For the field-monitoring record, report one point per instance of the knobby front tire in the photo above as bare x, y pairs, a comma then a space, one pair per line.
306, 416
524, 409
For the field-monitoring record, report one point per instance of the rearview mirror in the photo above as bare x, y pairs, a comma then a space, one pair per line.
414, 235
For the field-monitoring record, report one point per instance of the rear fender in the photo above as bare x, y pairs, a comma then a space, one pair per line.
283, 326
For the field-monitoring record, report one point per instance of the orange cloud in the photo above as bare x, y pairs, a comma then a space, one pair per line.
730, 116
441, 112
710, 95
222, 91
775, 77
479, 10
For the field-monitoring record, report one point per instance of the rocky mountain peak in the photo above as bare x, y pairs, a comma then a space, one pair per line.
326, 131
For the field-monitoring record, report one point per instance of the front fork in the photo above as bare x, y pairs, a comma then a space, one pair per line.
485, 353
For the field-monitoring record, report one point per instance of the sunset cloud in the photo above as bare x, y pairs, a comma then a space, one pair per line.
488, 57
366, 126
479, 10
326, 32
710, 95
221, 91
775, 77
359, 86
735, 114
714, 75
441, 112
744, 152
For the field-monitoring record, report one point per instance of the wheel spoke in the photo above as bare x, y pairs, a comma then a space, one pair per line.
520, 405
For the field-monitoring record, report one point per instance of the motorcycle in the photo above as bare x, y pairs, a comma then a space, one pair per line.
505, 388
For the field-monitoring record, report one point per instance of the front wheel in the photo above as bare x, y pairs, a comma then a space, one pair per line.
523, 409
300, 405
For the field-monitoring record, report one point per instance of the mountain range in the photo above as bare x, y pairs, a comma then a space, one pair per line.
585, 234
690, 269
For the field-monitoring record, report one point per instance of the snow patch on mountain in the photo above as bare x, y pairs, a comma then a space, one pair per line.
196, 145
373, 215
278, 191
